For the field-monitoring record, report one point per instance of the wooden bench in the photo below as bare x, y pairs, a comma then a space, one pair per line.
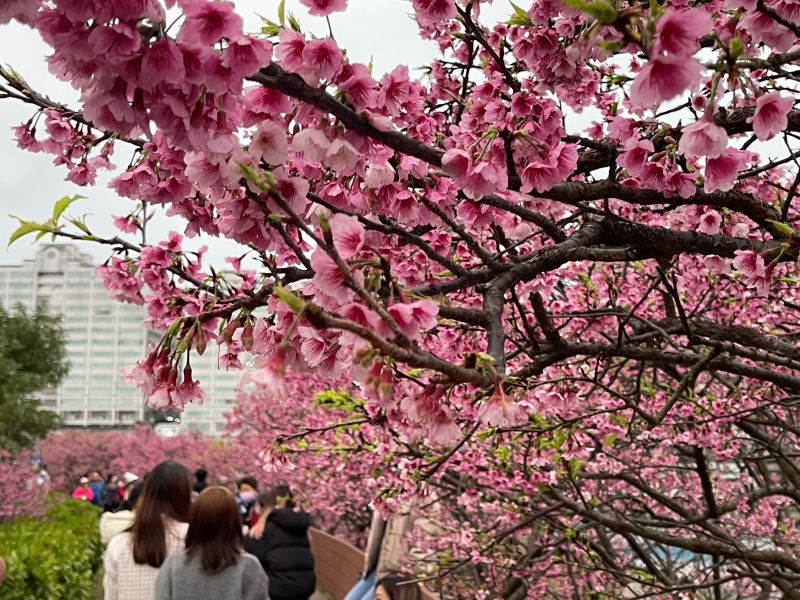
339, 564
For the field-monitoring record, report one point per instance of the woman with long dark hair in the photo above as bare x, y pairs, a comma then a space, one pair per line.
213, 566
279, 540
132, 558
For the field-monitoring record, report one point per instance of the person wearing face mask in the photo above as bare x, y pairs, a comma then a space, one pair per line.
246, 494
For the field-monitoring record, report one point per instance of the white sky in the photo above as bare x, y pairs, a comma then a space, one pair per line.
381, 30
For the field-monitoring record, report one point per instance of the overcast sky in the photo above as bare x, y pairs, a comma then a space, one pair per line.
380, 30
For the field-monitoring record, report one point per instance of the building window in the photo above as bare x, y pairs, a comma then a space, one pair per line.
100, 415
71, 416
127, 416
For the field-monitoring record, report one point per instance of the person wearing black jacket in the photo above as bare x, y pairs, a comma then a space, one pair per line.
279, 540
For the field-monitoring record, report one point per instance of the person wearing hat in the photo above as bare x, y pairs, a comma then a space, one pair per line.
83, 491
117, 491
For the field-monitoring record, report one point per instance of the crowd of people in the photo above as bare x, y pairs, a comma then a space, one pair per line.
171, 536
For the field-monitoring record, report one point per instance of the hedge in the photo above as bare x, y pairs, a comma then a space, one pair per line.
53, 558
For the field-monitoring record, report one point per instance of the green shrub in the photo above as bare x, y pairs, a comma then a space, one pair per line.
54, 558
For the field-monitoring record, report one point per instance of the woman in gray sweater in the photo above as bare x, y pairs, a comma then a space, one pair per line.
213, 565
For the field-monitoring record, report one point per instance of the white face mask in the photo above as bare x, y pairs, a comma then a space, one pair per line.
247, 496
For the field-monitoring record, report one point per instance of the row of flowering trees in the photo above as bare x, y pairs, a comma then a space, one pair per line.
72, 453
582, 344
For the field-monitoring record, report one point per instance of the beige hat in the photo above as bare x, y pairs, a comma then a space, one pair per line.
84, 480
129, 477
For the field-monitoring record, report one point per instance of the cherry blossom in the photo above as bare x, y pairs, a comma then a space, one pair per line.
663, 78
771, 115
323, 8
703, 138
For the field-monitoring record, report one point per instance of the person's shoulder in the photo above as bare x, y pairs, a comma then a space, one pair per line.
119, 543
178, 528
174, 561
120, 515
250, 563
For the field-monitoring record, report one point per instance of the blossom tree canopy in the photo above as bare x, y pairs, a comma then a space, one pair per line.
583, 342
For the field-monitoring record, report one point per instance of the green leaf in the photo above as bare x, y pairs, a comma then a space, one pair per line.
282, 13
80, 224
736, 47
262, 179
782, 229
293, 23
599, 9
520, 17
338, 399
25, 227
287, 296
174, 327
269, 28
61, 205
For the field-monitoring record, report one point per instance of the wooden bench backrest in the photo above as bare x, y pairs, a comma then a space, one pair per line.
339, 564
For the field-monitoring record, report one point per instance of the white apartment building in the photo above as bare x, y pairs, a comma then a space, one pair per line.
103, 336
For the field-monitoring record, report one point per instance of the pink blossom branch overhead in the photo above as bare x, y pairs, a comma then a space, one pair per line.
584, 337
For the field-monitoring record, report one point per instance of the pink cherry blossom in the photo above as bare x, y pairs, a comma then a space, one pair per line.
290, 49
358, 85
341, 156
269, 143
458, 163
322, 58
82, 174
635, 155
485, 178
323, 8
394, 90
663, 78
269, 375
127, 224
415, 316
678, 31
720, 173
499, 410
119, 41
208, 22
23, 11
379, 175
348, 235
543, 174
771, 116
710, 222
328, 277
246, 55
754, 271
313, 143
162, 63
119, 279
703, 138
431, 12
